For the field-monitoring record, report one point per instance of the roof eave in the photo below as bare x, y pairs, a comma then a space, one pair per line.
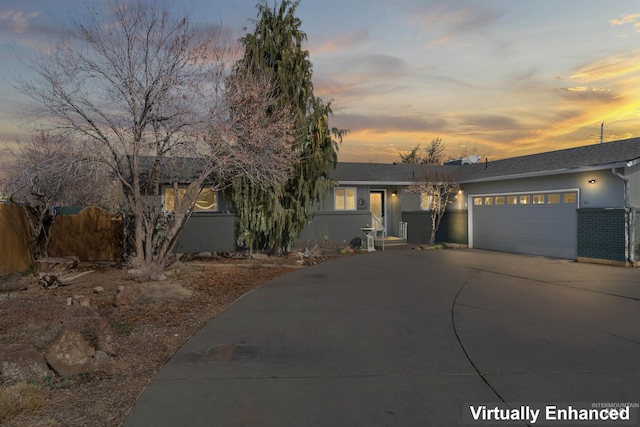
553, 172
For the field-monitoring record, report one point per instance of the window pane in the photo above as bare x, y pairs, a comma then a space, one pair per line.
340, 199
206, 201
488, 201
477, 201
424, 201
500, 200
524, 199
553, 198
538, 199
512, 200
169, 199
569, 197
350, 202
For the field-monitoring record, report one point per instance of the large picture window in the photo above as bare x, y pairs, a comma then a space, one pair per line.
207, 199
345, 199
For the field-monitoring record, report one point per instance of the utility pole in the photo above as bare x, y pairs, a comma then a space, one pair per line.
601, 132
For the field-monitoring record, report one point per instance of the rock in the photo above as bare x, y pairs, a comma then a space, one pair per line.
98, 290
106, 338
101, 360
49, 281
55, 266
82, 301
127, 295
70, 354
23, 366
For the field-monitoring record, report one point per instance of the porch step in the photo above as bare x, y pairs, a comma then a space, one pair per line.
391, 243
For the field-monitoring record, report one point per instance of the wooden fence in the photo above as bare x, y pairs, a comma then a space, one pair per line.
15, 243
91, 235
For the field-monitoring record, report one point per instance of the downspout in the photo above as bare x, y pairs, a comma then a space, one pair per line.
630, 235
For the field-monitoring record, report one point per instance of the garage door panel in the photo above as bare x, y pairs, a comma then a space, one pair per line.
548, 230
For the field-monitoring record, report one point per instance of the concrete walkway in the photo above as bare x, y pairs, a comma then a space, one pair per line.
406, 338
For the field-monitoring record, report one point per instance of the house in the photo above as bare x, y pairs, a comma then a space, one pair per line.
577, 203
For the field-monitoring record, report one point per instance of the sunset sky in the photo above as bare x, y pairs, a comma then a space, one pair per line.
497, 77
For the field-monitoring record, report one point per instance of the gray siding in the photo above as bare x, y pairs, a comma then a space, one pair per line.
453, 228
208, 232
607, 192
337, 228
328, 204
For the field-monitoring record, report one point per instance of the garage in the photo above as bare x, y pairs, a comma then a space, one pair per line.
535, 223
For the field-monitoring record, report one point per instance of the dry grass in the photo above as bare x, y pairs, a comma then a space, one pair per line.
18, 400
162, 292
13, 282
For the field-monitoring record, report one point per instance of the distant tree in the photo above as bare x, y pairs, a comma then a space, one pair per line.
432, 154
154, 98
441, 189
49, 171
275, 215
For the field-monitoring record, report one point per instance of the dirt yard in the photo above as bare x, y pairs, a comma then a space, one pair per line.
147, 332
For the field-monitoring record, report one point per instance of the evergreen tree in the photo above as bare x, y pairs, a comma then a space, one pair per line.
273, 217
433, 154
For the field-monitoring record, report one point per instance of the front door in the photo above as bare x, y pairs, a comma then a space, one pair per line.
376, 204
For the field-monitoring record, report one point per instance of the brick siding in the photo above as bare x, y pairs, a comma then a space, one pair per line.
602, 234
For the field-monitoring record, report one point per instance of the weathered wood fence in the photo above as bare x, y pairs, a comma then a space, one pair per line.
91, 235
15, 244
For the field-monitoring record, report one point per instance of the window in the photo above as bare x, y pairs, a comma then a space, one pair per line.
345, 199
524, 199
569, 198
425, 201
207, 199
500, 200
488, 201
512, 200
538, 199
553, 198
477, 201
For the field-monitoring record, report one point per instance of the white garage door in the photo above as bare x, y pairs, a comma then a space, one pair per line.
533, 223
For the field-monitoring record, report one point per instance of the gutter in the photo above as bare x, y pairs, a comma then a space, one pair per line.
630, 234
544, 173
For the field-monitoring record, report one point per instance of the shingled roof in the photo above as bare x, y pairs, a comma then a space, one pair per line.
596, 156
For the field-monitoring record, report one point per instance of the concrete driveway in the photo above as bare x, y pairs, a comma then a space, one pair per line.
407, 338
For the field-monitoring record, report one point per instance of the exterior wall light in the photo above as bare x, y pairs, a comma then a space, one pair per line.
394, 193
592, 181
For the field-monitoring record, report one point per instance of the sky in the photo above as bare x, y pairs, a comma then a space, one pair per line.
498, 78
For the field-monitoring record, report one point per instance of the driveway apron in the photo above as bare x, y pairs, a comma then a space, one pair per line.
406, 338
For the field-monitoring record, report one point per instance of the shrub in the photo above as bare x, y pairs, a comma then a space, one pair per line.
20, 399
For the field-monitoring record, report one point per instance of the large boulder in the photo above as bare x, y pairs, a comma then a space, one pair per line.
25, 365
70, 353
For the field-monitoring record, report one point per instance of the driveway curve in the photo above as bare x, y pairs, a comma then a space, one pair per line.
406, 338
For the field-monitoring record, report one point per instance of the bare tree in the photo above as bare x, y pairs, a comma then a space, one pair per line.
441, 189
46, 172
147, 89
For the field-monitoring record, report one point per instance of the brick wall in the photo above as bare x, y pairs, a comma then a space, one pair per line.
602, 234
